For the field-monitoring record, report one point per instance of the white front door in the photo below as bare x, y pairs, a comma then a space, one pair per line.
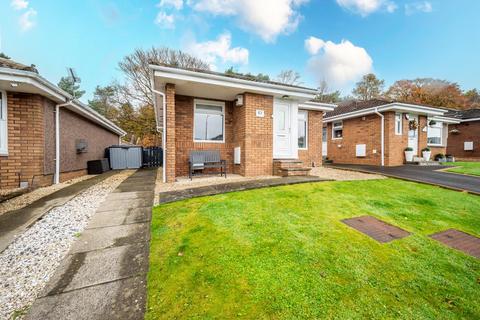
413, 135
282, 130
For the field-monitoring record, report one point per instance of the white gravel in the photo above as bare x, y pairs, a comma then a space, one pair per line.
29, 262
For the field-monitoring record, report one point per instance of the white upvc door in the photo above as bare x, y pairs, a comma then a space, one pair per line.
413, 135
283, 130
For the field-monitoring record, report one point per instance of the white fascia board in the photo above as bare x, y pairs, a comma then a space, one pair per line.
241, 84
62, 96
470, 120
447, 120
317, 106
402, 107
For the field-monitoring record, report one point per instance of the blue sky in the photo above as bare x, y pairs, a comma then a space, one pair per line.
332, 40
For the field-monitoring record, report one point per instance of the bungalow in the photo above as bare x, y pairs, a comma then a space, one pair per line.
464, 137
45, 136
252, 123
377, 132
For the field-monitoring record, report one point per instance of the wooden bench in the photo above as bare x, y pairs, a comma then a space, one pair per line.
206, 159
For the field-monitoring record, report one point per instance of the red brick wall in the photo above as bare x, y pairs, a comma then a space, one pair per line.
170, 133
469, 131
313, 154
395, 144
25, 141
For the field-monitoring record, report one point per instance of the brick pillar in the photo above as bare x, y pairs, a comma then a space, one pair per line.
170, 132
422, 136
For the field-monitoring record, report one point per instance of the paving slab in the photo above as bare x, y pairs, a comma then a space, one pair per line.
88, 268
15, 222
102, 238
124, 204
122, 299
130, 195
119, 217
172, 196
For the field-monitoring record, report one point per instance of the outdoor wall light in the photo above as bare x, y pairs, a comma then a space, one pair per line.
13, 84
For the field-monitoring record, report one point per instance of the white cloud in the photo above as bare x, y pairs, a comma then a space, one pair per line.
27, 20
366, 7
19, 4
423, 6
339, 64
313, 45
165, 20
177, 4
266, 18
219, 50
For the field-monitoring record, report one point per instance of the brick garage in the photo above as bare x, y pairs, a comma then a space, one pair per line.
466, 131
31, 142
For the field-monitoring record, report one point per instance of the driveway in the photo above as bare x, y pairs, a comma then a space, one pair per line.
422, 174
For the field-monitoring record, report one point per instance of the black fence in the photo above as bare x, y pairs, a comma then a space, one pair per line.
152, 157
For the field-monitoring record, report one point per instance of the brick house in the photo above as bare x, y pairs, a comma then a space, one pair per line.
376, 132
464, 137
252, 123
45, 136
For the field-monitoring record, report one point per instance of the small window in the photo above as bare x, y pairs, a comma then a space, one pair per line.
302, 129
398, 124
435, 134
337, 130
209, 121
3, 124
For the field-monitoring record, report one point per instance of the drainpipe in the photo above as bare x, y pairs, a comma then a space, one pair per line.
164, 119
57, 140
382, 135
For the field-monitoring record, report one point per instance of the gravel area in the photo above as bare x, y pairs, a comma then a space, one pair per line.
28, 263
343, 175
25, 199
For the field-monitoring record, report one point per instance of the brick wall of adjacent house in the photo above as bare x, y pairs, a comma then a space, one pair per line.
31, 142
313, 155
468, 131
25, 141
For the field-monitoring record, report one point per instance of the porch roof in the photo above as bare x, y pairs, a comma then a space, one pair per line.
214, 85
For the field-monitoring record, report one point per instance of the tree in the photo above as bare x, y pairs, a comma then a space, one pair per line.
370, 87
473, 98
434, 92
289, 77
325, 96
136, 69
4, 56
105, 101
67, 84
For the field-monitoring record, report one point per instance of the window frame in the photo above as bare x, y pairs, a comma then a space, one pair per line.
211, 103
306, 128
441, 134
400, 125
333, 130
4, 117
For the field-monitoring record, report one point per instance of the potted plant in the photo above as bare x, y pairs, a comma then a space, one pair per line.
449, 158
409, 154
440, 157
426, 153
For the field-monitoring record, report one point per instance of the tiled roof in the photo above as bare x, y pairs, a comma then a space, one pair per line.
463, 114
352, 106
10, 64
233, 75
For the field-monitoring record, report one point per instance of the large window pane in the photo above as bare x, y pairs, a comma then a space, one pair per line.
208, 123
434, 134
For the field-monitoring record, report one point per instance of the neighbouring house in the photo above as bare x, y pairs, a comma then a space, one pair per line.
45, 136
259, 127
377, 132
464, 137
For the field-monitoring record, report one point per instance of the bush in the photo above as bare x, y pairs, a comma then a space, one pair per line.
439, 156
426, 149
408, 149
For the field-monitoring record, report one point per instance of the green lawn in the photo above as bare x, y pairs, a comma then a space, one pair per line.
282, 253
472, 168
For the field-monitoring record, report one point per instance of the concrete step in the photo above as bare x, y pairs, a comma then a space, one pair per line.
290, 172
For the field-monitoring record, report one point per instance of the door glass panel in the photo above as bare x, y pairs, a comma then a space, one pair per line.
281, 120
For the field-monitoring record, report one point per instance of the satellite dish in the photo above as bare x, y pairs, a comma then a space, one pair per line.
73, 75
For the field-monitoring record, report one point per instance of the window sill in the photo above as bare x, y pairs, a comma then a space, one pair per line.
337, 138
436, 145
207, 141
303, 149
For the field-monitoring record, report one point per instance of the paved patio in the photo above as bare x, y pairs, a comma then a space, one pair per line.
104, 275
423, 174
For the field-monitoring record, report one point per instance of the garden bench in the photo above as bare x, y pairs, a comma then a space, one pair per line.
206, 159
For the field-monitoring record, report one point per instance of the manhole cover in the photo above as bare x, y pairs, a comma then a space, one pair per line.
459, 240
376, 229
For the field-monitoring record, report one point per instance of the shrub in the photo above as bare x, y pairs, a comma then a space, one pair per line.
408, 149
426, 149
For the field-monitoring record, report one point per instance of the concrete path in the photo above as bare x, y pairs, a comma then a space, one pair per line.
104, 275
422, 174
16, 222
172, 196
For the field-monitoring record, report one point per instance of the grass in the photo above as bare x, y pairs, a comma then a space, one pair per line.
282, 253
472, 168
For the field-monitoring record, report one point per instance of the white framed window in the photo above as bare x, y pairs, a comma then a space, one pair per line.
209, 121
398, 124
302, 129
3, 124
435, 134
337, 130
